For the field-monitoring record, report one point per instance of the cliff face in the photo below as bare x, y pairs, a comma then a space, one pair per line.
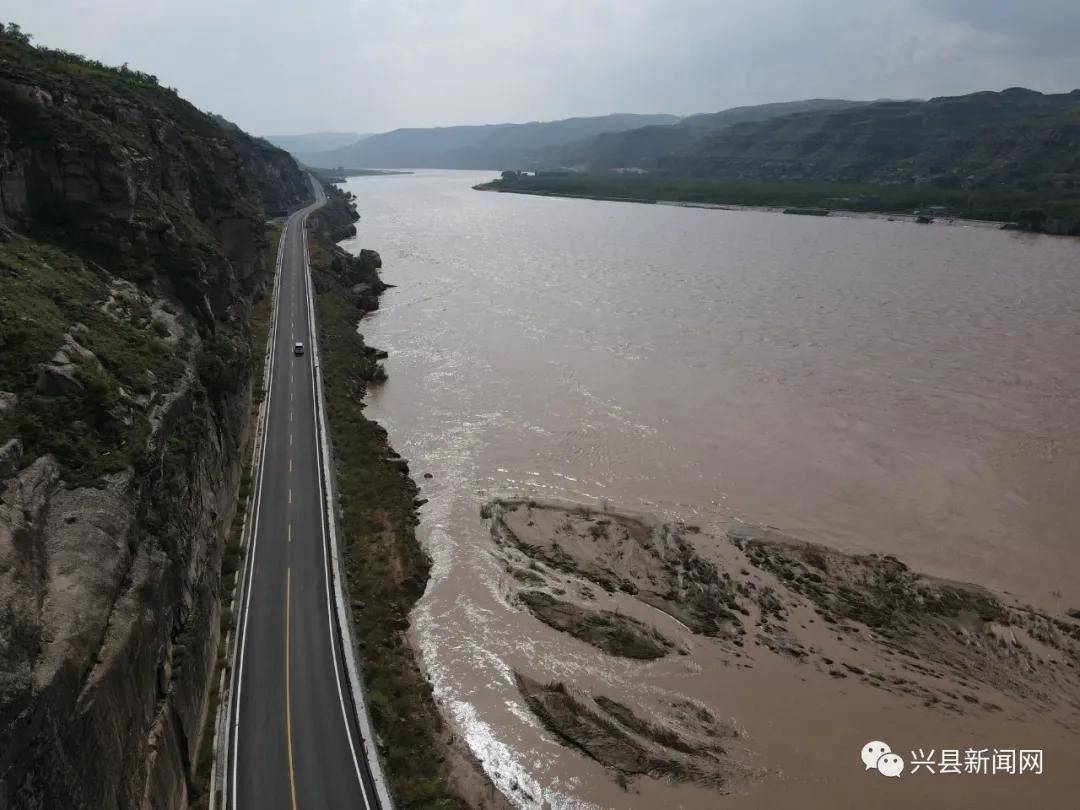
125, 171
131, 244
338, 217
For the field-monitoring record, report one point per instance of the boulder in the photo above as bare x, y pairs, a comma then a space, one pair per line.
371, 258
8, 401
76, 351
57, 379
60, 375
10, 453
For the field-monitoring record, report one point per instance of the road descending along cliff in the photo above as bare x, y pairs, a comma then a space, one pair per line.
294, 740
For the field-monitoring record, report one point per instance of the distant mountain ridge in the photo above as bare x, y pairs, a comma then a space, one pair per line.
314, 141
1016, 137
1011, 156
488, 146
599, 142
644, 147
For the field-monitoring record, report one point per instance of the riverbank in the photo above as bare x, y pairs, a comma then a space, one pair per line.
386, 569
340, 175
1057, 215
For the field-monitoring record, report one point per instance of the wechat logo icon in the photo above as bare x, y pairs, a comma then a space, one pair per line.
877, 755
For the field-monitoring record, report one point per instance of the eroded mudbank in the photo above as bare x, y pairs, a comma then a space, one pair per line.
957, 648
688, 746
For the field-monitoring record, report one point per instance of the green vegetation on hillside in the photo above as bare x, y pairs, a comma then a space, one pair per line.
1016, 139
88, 410
644, 147
116, 272
151, 177
14, 32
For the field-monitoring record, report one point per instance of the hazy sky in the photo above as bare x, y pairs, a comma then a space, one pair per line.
280, 67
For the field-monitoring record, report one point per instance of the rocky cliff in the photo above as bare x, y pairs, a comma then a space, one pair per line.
132, 241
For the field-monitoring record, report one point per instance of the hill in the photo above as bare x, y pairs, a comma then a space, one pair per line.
1015, 138
311, 142
707, 122
1011, 156
133, 243
646, 146
490, 146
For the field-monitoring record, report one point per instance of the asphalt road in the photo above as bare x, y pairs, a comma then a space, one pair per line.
294, 741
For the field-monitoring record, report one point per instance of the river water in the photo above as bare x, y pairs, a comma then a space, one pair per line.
870, 385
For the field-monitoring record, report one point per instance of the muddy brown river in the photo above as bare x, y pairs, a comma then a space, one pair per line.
873, 386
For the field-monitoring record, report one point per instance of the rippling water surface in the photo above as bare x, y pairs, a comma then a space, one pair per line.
872, 385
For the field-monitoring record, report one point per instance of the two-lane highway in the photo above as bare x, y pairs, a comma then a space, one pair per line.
293, 737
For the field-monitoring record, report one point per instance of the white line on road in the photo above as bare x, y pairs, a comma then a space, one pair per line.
234, 699
333, 576
320, 450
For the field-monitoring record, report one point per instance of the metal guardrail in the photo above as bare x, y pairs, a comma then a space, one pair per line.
344, 619
220, 776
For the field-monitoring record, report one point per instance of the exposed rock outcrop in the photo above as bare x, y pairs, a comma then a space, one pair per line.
359, 274
336, 218
133, 243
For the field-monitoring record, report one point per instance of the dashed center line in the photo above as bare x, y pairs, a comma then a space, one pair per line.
288, 699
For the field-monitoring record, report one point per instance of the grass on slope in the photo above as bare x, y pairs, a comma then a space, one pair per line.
94, 429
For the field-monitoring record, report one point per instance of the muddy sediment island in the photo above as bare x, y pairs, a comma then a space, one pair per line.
636, 587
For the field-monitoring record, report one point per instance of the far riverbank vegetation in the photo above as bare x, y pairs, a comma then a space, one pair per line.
1056, 211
